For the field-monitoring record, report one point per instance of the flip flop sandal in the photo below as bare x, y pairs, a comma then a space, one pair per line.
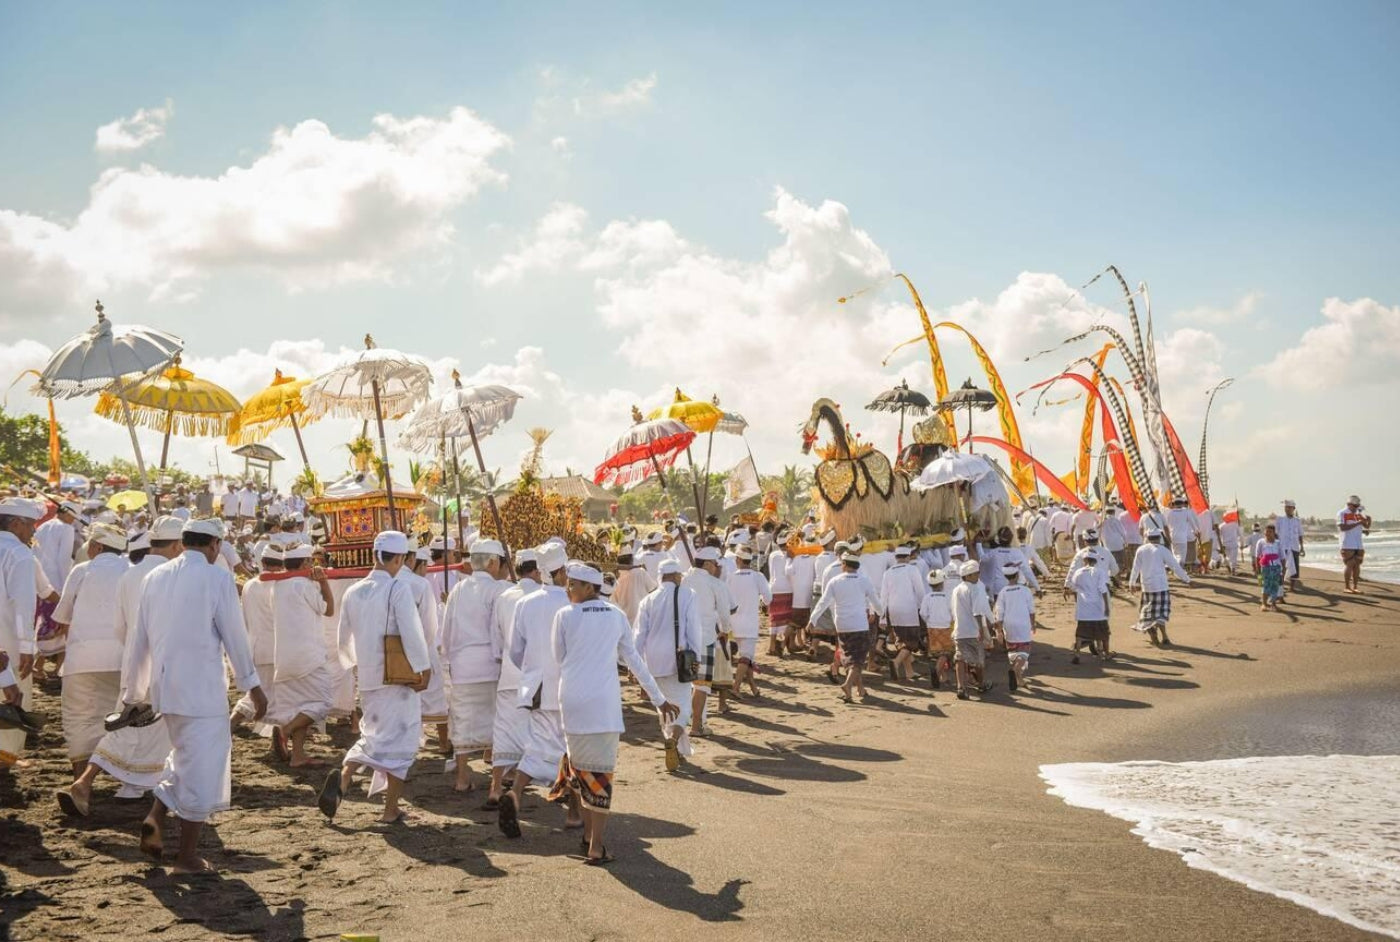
508, 818
69, 804
329, 798
13, 717
607, 858
491, 804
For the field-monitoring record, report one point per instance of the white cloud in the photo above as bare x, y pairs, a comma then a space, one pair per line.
634, 94
1241, 311
146, 126
560, 145
1358, 344
558, 243
315, 209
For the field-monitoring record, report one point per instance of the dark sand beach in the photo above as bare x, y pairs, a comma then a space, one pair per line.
912, 816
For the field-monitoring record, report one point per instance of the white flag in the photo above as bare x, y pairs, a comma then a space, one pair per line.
742, 483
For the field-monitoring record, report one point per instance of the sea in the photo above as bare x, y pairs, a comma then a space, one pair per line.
1299, 798
1382, 562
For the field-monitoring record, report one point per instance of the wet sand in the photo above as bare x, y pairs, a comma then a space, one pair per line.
910, 816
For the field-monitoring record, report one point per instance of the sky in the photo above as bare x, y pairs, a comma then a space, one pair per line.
598, 204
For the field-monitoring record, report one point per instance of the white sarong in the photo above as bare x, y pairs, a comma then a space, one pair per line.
510, 732
473, 714
390, 731
245, 706
309, 694
195, 782
12, 740
592, 752
434, 699
545, 746
87, 699
135, 757
680, 694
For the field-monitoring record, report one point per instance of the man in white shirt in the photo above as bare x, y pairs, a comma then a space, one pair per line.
1107, 566
802, 574
1113, 539
589, 638
133, 755
716, 608
303, 679
532, 653
188, 621
634, 583
668, 621
228, 507
852, 600
511, 728
262, 639
1090, 590
972, 618
937, 618
433, 699
751, 594
1082, 520
1132, 536
19, 573
55, 547
1150, 565
93, 660
902, 588
1353, 523
391, 727
1289, 528
469, 640
1061, 523
1184, 528
247, 505
445, 579
1209, 536
780, 609
1014, 614
1230, 540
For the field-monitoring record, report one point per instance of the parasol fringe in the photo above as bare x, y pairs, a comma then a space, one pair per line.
187, 424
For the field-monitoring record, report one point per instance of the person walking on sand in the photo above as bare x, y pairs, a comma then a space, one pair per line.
852, 601
303, 680
750, 593
901, 590
1150, 565
258, 618
1269, 565
972, 629
1089, 585
373, 609
668, 622
189, 620
469, 640
590, 637
1014, 614
1289, 529
1353, 523
937, 618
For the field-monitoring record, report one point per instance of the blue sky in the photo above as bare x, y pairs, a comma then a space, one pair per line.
1238, 159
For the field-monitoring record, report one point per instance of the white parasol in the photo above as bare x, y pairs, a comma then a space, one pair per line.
463, 412
109, 359
374, 384
949, 468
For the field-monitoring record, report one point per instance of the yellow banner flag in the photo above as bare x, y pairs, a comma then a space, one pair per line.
1086, 430
1021, 472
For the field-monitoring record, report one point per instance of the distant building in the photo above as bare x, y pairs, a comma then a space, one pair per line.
597, 501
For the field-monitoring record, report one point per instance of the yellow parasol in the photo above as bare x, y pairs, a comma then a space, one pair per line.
174, 401
697, 414
131, 500
278, 406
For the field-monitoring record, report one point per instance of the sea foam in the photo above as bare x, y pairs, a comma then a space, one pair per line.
1322, 831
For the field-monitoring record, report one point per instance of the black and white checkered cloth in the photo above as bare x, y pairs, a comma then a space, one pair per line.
1156, 609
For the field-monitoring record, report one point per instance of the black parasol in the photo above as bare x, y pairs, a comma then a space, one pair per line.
969, 397
901, 399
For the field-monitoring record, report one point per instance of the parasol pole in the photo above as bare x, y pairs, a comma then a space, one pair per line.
490, 496
444, 505
899, 442
130, 425
457, 492
709, 450
695, 488
301, 446
384, 454
661, 477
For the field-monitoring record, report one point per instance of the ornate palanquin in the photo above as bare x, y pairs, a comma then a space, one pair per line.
355, 509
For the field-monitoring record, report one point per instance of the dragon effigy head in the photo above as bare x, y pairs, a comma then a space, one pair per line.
823, 409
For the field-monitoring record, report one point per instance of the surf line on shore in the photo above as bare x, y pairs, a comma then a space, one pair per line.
1321, 831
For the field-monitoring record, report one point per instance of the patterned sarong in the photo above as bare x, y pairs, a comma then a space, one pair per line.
1156, 609
780, 609
594, 789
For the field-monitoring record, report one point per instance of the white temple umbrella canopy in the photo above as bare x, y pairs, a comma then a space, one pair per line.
949, 468
463, 412
109, 359
373, 384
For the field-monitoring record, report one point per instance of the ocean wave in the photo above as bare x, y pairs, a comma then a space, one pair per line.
1322, 831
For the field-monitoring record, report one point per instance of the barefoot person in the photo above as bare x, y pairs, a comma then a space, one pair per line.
262, 636
972, 629
532, 653
1089, 586
303, 679
902, 588
433, 699
1270, 564
1014, 614
189, 620
715, 608
1353, 523
133, 755
1289, 531
937, 618
473, 661
590, 637
751, 593
374, 608
1151, 563
668, 621
511, 728
92, 664
852, 601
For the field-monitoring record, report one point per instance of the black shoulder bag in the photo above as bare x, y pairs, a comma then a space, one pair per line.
687, 662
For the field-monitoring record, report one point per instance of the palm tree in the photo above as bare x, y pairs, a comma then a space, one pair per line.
794, 487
